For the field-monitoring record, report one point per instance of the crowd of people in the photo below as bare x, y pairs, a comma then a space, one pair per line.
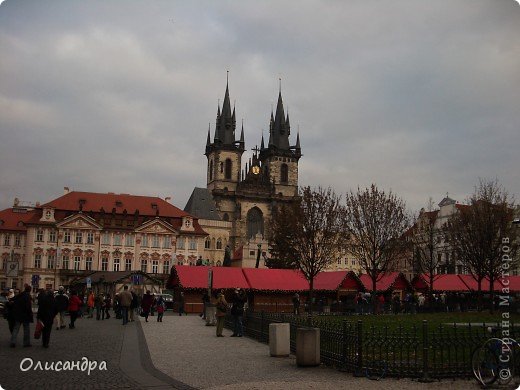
53, 307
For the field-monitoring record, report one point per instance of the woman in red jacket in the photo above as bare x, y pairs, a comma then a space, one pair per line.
74, 306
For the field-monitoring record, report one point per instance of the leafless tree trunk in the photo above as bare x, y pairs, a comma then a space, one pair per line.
376, 222
477, 230
308, 235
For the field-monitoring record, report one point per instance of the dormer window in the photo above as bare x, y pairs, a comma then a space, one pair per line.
154, 206
119, 203
187, 223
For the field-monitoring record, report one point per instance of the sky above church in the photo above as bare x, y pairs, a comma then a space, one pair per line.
420, 97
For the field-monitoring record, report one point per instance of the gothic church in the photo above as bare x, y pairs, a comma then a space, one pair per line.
239, 198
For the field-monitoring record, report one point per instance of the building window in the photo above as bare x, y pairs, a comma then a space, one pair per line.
66, 237
210, 170
37, 261
116, 264
144, 265
339, 261
104, 264
117, 239
50, 261
193, 244
106, 239
39, 235
52, 236
128, 264
155, 241
207, 243
255, 222
229, 167
65, 262
155, 267
7, 239
219, 244
88, 263
90, 238
166, 267
129, 240
77, 263
17, 240
144, 241
166, 242
226, 217
284, 173
79, 237
180, 243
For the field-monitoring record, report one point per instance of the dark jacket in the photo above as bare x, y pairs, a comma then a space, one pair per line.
61, 301
22, 307
237, 309
147, 302
133, 305
46, 308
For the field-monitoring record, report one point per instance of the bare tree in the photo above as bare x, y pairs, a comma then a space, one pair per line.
376, 222
423, 237
477, 230
308, 235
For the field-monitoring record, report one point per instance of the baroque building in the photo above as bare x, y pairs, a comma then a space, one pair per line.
243, 195
82, 232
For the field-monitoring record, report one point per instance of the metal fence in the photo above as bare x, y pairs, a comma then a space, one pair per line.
424, 352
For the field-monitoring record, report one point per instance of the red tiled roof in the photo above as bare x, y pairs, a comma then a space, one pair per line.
95, 201
441, 282
15, 221
332, 281
196, 277
394, 280
275, 279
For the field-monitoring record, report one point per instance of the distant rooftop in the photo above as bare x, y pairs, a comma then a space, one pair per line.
202, 205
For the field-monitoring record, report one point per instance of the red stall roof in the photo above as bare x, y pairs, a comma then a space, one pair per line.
513, 282
275, 279
335, 280
193, 277
441, 282
390, 280
472, 284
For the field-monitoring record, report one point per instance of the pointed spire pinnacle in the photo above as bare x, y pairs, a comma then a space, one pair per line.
262, 145
208, 141
298, 139
242, 135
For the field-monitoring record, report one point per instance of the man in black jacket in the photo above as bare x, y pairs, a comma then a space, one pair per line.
23, 315
62, 303
46, 313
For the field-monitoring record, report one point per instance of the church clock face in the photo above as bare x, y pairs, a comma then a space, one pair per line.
255, 170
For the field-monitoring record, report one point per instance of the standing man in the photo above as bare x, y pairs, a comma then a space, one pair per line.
125, 299
62, 303
296, 304
23, 315
181, 304
133, 305
90, 304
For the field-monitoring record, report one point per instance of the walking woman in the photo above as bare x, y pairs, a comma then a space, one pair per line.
222, 307
146, 304
46, 311
74, 307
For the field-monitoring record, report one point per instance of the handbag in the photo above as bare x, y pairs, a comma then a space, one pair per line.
38, 329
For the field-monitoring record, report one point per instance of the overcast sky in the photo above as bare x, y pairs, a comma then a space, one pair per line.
421, 97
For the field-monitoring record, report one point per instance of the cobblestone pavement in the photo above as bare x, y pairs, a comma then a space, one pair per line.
185, 349
95, 340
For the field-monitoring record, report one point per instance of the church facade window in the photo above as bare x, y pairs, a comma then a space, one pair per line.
284, 173
229, 167
255, 222
210, 170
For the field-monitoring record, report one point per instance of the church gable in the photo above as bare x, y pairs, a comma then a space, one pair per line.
79, 221
156, 226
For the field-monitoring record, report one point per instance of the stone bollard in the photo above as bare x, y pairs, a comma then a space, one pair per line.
279, 339
211, 312
307, 347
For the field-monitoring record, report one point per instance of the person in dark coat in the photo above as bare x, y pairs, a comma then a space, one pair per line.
23, 315
237, 311
181, 304
133, 306
146, 304
62, 303
8, 310
46, 311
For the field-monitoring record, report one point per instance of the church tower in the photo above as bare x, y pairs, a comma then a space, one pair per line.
279, 159
224, 154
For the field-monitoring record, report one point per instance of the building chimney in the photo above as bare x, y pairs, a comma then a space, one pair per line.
66, 190
168, 198
16, 202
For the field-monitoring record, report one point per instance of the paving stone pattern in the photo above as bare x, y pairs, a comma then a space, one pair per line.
187, 350
95, 340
